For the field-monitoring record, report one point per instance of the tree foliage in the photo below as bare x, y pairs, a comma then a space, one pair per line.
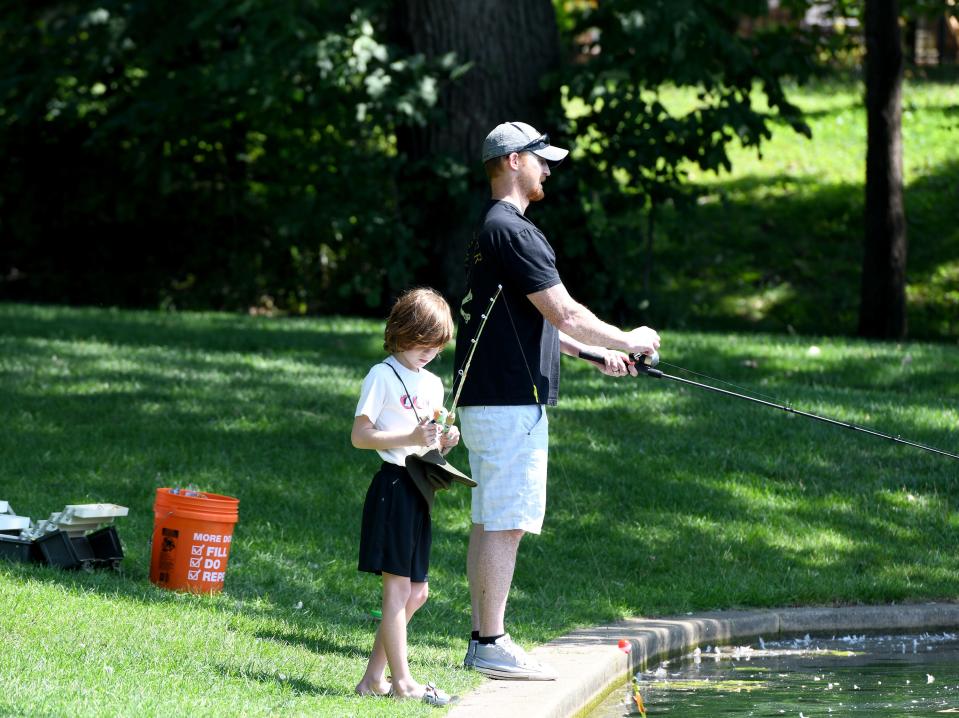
636, 148
508, 55
290, 154
220, 154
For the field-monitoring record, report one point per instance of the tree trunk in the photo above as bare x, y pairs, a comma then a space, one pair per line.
513, 46
882, 308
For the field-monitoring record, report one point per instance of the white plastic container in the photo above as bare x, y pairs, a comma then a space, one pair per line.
9, 522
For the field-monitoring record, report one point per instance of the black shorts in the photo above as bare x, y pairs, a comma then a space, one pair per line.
396, 535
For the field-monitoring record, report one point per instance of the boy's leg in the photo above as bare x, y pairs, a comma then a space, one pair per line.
374, 680
396, 594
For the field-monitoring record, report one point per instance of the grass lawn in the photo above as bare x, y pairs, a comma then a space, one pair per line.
662, 500
772, 243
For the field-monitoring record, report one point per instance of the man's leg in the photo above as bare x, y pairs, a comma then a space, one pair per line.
508, 452
490, 563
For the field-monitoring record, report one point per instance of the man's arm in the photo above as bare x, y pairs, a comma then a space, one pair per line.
571, 347
579, 323
614, 362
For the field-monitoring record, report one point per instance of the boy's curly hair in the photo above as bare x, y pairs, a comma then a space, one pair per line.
420, 318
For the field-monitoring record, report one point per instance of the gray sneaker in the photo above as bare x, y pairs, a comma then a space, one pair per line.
505, 660
470, 659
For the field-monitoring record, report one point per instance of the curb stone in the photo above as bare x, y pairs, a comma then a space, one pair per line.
589, 662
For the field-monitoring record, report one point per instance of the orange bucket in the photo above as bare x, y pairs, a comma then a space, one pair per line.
192, 535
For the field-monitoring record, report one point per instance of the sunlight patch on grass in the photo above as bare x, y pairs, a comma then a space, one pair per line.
757, 305
791, 220
760, 500
662, 499
820, 546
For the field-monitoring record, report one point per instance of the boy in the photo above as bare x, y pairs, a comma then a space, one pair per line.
393, 416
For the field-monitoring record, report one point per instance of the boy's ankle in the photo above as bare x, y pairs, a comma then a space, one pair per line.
403, 689
366, 688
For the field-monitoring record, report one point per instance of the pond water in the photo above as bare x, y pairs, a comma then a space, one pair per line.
883, 676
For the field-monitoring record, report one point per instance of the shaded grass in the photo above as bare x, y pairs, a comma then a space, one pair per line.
662, 500
778, 239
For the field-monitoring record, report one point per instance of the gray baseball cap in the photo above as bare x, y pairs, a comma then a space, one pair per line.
520, 137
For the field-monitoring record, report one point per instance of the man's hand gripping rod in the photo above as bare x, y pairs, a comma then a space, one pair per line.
646, 364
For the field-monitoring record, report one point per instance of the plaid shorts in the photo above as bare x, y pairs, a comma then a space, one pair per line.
508, 448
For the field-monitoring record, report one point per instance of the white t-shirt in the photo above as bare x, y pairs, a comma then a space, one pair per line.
383, 401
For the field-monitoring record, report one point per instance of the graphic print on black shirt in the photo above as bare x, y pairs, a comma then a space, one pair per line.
508, 249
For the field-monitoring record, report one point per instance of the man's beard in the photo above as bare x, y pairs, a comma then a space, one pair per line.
535, 193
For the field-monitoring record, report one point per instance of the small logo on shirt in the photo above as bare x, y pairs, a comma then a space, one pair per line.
407, 404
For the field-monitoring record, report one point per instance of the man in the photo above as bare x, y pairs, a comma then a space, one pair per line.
513, 376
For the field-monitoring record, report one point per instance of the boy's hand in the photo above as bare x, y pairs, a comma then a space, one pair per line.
450, 439
426, 433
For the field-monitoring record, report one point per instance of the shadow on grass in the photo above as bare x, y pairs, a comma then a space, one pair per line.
316, 645
326, 338
644, 518
781, 254
297, 685
108, 407
659, 497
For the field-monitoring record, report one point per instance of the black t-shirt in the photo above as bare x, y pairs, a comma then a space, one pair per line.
508, 249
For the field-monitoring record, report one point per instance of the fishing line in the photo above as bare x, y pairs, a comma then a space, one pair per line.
721, 381
522, 353
645, 364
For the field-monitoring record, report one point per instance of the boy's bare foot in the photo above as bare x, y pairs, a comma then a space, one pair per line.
406, 689
373, 688
429, 694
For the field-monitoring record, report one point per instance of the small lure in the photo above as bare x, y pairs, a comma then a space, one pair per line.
638, 699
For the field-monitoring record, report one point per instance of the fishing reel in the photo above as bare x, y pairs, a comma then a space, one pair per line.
443, 417
646, 363
649, 360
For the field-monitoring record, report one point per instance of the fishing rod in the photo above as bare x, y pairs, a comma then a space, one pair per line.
646, 364
445, 416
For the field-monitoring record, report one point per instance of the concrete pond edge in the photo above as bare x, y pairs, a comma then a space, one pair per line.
590, 663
